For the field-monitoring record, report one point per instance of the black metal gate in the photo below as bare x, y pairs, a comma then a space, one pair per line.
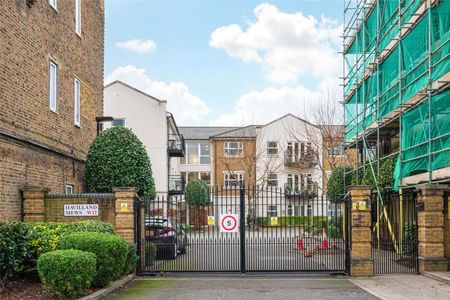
395, 233
245, 230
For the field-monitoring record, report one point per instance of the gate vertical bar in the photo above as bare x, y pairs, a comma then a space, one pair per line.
137, 232
242, 224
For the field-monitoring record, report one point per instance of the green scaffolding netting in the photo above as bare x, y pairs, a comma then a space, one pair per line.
420, 142
406, 70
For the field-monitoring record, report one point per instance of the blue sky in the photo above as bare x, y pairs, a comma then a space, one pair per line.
238, 75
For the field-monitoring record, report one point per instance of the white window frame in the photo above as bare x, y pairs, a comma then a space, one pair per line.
271, 148
239, 149
54, 4
271, 209
200, 155
77, 17
272, 180
53, 82
227, 180
118, 120
77, 102
69, 188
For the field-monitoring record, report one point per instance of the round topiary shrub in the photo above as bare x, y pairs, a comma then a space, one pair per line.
68, 273
336, 184
117, 158
110, 250
197, 193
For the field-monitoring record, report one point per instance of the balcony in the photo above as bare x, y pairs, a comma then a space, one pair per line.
295, 191
176, 185
177, 146
300, 160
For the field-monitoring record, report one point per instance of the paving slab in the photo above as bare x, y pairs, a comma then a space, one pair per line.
443, 277
242, 288
400, 287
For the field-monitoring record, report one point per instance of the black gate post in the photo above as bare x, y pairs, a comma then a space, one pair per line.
137, 232
348, 230
242, 225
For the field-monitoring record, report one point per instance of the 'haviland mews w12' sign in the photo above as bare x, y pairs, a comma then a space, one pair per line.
80, 210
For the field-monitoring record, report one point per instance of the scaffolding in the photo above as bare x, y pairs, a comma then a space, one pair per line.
396, 89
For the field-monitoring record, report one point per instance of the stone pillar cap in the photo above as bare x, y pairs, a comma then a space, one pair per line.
125, 189
359, 187
35, 189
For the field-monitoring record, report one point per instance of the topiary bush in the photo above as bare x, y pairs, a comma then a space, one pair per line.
68, 273
117, 158
110, 250
197, 193
132, 259
15, 249
336, 184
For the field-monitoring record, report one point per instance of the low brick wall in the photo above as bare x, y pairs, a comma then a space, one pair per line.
54, 207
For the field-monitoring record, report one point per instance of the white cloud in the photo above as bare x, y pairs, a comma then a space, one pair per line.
187, 108
137, 45
286, 45
263, 106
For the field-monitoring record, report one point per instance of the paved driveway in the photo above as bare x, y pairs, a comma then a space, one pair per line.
245, 288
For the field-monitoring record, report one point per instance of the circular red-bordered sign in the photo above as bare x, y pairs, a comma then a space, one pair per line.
233, 220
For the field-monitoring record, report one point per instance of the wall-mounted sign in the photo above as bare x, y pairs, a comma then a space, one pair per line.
229, 223
210, 220
80, 210
362, 205
123, 207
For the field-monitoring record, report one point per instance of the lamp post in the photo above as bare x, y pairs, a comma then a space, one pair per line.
100, 121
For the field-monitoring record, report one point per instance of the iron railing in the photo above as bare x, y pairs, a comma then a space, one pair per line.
176, 184
292, 190
302, 160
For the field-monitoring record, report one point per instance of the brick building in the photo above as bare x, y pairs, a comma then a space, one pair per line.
51, 90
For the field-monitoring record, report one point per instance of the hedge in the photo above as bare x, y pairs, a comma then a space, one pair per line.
22, 243
110, 250
118, 158
197, 193
131, 260
292, 220
68, 273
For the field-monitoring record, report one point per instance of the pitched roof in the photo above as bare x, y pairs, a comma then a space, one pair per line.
240, 132
202, 132
291, 115
133, 88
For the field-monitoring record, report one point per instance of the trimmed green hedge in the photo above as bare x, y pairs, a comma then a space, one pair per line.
197, 193
292, 221
336, 186
118, 158
111, 252
132, 259
68, 273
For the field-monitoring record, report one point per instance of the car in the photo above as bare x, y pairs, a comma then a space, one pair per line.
167, 234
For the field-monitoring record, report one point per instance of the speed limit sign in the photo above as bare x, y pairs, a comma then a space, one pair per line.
229, 223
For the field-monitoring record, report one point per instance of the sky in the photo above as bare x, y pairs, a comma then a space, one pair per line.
227, 62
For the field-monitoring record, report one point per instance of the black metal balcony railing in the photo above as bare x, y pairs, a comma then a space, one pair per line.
292, 190
301, 160
177, 146
176, 185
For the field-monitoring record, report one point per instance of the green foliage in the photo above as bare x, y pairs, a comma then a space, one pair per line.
150, 253
336, 184
88, 226
68, 273
291, 221
117, 158
197, 193
15, 249
386, 176
410, 234
110, 250
186, 227
132, 259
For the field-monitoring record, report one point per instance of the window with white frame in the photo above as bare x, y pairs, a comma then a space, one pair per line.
53, 3
233, 180
336, 151
233, 149
77, 110
272, 180
189, 176
272, 211
53, 86
204, 153
118, 122
77, 17
197, 154
69, 188
272, 148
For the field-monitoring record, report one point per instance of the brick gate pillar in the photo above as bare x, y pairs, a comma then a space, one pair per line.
431, 229
124, 212
34, 204
361, 261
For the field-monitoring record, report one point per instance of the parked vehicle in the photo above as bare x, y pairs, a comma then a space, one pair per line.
168, 235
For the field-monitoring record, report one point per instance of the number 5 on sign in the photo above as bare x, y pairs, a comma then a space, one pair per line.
229, 223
